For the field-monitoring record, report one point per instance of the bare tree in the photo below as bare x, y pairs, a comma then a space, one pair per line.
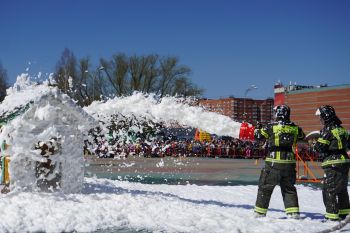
137, 67
100, 90
170, 70
121, 67
83, 81
3, 82
121, 76
107, 68
66, 71
184, 87
151, 73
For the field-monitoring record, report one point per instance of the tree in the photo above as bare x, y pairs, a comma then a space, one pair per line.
107, 68
137, 67
3, 82
83, 91
184, 87
121, 76
151, 73
170, 71
66, 71
120, 73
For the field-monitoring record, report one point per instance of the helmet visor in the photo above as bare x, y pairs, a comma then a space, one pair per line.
318, 113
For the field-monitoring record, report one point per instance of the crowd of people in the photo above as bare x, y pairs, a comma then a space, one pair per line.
222, 148
226, 147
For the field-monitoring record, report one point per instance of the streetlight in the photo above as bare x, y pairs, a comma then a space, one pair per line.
252, 87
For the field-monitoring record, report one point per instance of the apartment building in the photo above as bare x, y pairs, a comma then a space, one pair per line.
241, 109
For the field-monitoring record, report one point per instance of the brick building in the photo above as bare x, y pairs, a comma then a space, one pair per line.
304, 100
256, 110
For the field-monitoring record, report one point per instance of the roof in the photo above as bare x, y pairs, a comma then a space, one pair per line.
25, 93
20, 97
318, 89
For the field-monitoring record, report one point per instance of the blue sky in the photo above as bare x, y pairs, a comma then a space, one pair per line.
229, 45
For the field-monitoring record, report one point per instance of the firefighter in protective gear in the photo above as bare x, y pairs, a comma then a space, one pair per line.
333, 145
279, 169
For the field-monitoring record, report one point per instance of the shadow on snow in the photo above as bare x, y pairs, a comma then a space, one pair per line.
104, 188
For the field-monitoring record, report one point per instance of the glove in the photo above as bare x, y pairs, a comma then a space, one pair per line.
258, 125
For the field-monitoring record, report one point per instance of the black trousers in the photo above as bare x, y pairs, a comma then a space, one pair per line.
335, 188
283, 175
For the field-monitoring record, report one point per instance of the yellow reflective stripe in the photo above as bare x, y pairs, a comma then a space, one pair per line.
264, 133
279, 160
332, 216
292, 210
338, 161
344, 211
278, 155
260, 210
285, 129
338, 132
323, 141
277, 140
296, 136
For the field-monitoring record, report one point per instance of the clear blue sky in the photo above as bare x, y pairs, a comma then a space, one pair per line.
229, 45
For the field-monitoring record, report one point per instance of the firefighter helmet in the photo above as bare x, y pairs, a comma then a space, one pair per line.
326, 113
282, 112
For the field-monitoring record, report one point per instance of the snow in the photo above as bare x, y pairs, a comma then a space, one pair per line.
21, 93
50, 114
122, 205
106, 204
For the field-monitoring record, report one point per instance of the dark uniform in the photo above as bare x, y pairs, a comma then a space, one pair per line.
279, 168
333, 144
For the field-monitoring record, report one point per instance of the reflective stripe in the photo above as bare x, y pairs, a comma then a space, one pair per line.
292, 210
260, 210
279, 160
338, 133
277, 140
265, 134
323, 141
278, 155
344, 211
338, 161
332, 216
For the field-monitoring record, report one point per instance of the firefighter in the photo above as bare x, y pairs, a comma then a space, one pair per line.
281, 137
333, 145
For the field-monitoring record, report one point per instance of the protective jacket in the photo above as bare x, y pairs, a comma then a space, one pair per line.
282, 139
333, 144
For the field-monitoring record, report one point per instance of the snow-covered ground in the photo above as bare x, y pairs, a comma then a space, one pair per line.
156, 208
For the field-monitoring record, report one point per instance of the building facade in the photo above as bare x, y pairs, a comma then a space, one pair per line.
241, 109
304, 100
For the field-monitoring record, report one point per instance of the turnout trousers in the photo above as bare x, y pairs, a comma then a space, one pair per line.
283, 175
335, 191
